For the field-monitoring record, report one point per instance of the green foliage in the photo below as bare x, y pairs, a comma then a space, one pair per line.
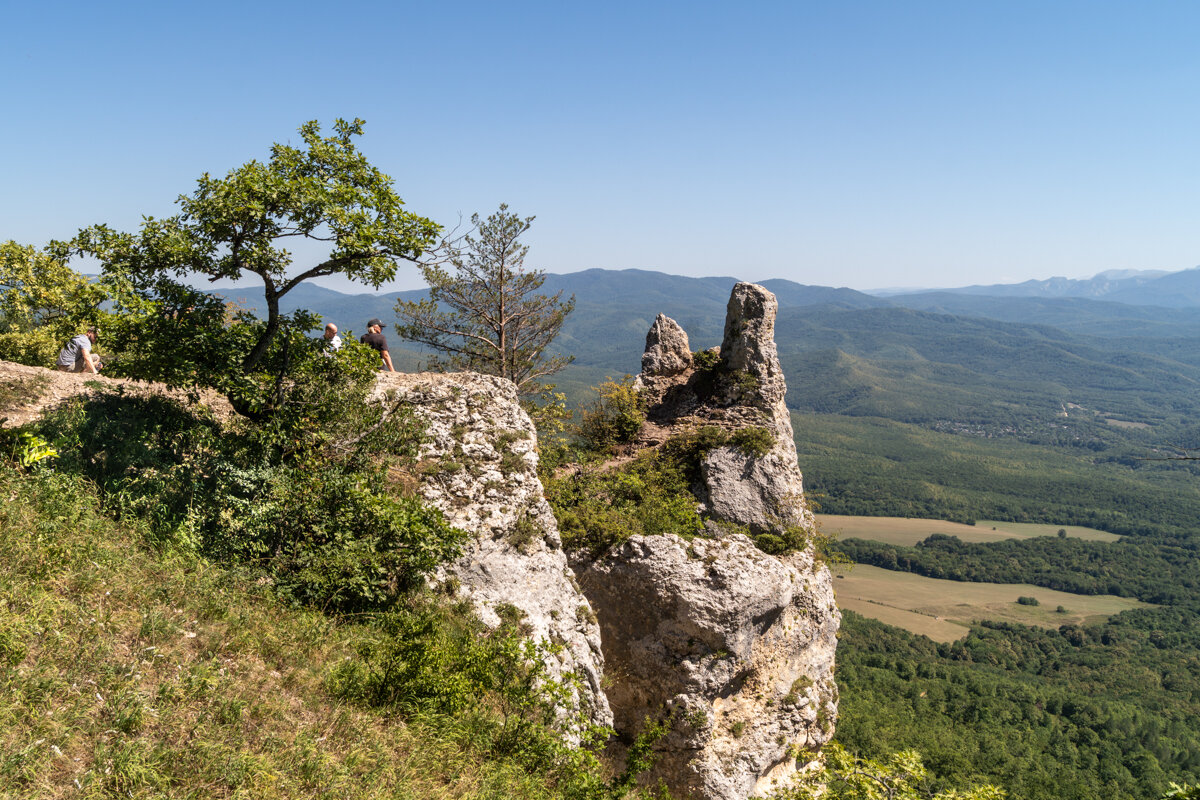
43, 303
898, 776
614, 418
430, 657
597, 508
550, 415
1025, 600
1071, 714
167, 675
305, 494
325, 192
706, 360
690, 448
339, 542
484, 313
755, 441
641, 756
26, 448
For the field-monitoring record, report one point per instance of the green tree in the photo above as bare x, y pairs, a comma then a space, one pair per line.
324, 195
43, 303
484, 313
901, 776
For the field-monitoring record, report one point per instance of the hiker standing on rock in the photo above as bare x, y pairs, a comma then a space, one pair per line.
374, 338
77, 355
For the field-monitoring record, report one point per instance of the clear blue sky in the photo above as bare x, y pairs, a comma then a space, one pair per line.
861, 144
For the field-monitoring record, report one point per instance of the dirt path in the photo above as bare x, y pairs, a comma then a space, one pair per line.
38, 389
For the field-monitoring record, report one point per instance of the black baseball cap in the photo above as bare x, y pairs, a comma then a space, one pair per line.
373, 321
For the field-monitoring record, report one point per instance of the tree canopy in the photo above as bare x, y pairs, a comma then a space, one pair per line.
43, 302
323, 194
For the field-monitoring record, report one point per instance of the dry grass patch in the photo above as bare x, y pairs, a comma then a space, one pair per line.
941, 609
907, 531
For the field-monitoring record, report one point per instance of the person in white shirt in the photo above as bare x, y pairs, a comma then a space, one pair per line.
334, 342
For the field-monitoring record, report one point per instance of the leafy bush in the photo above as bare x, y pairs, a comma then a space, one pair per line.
338, 543
598, 508
36, 346
430, 657
1028, 601
689, 449
706, 360
43, 303
614, 418
753, 441
303, 494
900, 776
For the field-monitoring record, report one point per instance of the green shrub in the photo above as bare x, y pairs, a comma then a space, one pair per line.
753, 441
714, 379
1028, 601
706, 360
598, 508
689, 449
433, 658
43, 303
614, 418
342, 545
36, 347
302, 494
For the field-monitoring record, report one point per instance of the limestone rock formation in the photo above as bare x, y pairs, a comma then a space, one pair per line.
667, 351
735, 647
481, 459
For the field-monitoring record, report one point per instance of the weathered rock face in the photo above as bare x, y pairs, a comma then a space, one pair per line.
735, 647
764, 492
729, 643
667, 351
482, 474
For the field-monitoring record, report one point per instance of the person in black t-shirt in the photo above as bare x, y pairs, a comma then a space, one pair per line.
374, 338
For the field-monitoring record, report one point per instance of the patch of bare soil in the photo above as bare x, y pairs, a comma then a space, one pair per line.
27, 392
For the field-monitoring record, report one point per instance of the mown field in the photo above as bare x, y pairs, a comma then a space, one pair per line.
943, 610
907, 531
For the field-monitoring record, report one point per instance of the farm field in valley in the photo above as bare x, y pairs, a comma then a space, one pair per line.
943, 610
907, 531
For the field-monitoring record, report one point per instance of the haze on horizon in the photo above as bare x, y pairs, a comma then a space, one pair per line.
871, 145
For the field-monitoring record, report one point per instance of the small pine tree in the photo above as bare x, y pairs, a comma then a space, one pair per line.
484, 312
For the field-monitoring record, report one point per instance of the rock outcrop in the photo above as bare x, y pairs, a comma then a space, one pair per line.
732, 646
667, 351
480, 470
741, 387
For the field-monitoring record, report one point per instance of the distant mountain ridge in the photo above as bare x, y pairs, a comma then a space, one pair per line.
1135, 287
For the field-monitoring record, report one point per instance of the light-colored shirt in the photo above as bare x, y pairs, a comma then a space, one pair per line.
76, 350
